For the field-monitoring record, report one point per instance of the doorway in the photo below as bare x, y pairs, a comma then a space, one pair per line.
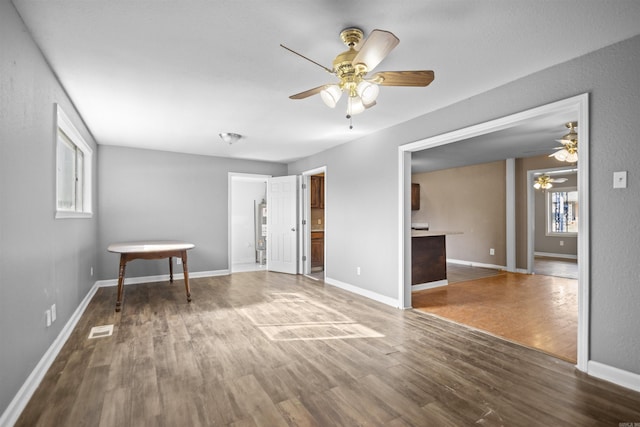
552, 222
314, 205
247, 218
579, 105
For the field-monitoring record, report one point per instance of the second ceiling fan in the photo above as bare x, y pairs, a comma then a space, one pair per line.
351, 68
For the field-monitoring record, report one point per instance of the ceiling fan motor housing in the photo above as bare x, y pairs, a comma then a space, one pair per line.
350, 74
351, 36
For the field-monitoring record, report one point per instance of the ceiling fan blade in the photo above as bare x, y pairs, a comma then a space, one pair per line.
307, 93
375, 48
559, 179
403, 78
310, 60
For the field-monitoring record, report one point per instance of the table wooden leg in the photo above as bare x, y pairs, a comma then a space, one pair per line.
123, 264
185, 270
170, 270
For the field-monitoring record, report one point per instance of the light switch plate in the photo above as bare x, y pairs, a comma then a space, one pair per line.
620, 179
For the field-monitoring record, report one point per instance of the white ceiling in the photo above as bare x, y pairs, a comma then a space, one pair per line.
535, 137
172, 75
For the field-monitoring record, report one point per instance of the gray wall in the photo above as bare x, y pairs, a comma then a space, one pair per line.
158, 195
42, 260
367, 169
361, 209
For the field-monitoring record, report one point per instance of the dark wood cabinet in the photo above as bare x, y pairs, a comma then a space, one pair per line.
317, 249
415, 197
429, 259
317, 191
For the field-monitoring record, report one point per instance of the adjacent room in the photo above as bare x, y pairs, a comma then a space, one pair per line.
319, 213
467, 201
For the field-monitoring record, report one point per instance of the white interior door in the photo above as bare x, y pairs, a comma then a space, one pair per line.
282, 224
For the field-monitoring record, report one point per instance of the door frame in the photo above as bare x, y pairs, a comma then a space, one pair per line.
531, 214
305, 222
231, 177
578, 104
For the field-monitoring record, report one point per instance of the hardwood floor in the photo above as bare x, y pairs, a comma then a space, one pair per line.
461, 273
557, 267
537, 311
267, 349
549, 323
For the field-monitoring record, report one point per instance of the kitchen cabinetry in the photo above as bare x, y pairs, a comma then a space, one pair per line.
429, 259
317, 249
415, 197
317, 191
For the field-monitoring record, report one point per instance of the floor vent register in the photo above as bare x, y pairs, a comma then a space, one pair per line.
101, 331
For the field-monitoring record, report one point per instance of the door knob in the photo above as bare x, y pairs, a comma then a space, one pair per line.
293, 229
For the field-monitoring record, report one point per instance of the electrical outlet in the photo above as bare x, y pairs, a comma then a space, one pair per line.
358, 271
319, 221
561, 242
91, 271
53, 313
47, 316
492, 251
179, 261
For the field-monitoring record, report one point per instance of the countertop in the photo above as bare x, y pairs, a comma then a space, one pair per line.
427, 233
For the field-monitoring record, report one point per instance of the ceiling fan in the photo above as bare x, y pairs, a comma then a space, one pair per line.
544, 181
568, 151
351, 68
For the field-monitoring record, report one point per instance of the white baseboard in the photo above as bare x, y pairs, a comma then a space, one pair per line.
552, 255
364, 292
20, 400
161, 278
429, 285
476, 264
614, 375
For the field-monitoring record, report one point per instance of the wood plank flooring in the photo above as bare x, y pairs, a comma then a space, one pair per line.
558, 267
339, 360
461, 273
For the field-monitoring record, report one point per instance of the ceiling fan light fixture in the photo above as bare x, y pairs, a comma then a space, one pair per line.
331, 95
355, 106
368, 92
543, 181
560, 155
569, 150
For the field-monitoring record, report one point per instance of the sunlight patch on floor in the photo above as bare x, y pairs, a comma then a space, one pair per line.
292, 317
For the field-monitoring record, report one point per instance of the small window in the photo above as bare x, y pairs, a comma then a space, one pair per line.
73, 171
562, 212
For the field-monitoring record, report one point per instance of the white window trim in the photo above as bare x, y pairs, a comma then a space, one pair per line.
65, 125
547, 213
